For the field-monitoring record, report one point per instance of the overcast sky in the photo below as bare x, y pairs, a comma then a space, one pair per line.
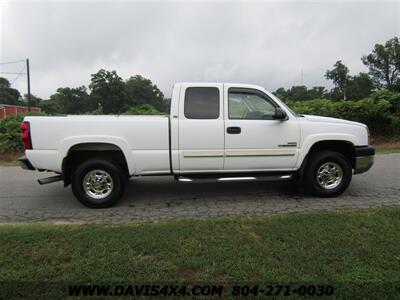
265, 43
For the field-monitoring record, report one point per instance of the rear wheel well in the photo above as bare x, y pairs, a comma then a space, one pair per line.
343, 147
79, 153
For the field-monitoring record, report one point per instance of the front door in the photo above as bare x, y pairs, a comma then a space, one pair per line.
201, 128
253, 140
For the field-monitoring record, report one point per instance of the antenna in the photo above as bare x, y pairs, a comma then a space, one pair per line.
301, 77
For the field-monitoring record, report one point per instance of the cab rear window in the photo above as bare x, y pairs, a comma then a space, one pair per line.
202, 103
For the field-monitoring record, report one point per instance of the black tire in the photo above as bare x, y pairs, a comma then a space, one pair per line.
319, 159
107, 169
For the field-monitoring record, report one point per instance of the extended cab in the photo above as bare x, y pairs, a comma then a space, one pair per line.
215, 130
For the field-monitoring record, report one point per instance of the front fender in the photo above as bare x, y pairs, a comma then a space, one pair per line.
310, 140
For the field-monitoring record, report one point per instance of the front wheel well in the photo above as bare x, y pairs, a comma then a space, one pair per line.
343, 147
79, 153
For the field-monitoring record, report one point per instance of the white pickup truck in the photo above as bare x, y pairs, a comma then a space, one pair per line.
215, 131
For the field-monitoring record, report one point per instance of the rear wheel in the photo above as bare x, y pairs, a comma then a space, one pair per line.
328, 174
98, 183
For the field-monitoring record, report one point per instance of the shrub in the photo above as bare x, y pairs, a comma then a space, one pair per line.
10, 133
381, 111
143, 109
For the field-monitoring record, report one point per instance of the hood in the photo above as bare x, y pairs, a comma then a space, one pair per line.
331, 120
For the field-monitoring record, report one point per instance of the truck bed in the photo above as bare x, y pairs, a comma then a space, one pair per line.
146, 138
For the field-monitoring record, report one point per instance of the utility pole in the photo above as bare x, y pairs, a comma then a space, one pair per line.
29, 84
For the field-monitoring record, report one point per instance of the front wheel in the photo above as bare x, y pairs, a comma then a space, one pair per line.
98, 183
328, 174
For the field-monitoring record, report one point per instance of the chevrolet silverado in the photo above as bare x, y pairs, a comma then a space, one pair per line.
215, 131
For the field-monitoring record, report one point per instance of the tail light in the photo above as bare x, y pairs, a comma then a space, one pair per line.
26, 135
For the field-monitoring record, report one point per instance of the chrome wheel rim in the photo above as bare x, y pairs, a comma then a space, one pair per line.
98, 184
329, 175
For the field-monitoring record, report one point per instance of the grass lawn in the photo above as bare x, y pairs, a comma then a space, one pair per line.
387, 150
9, 159
4, 163
356, 251
383, 146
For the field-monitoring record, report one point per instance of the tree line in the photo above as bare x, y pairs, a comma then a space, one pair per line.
383, 65
108, 93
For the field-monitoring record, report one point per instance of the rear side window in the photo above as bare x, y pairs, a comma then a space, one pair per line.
202, 103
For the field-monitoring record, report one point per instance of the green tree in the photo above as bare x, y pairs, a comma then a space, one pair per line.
340, 77
143, 109
298, 93
359, 86
8, 95
168, 105
316, 92
35, 101
384, 64
281, 93
51, 107
140, 90
108, 90
335, 94
71, 100
301, 93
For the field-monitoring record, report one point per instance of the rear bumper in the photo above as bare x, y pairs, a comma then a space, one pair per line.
364, 159
25, 163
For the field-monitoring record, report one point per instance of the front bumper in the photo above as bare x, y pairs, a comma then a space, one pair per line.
25, 163
364, 159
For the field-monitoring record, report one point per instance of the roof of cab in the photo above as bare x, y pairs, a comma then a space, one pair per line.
241, 85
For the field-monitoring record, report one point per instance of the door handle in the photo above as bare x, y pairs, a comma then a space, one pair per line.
233, 130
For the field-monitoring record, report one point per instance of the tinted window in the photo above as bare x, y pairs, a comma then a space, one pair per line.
202, 103
250, 106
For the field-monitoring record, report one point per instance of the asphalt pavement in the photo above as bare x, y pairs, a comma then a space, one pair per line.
22, 199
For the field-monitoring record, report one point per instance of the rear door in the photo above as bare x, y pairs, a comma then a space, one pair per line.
201, 128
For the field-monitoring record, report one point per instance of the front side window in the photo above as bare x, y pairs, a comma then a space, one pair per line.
248, 105
202, 103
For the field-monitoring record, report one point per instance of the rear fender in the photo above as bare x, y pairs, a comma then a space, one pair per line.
67, 143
